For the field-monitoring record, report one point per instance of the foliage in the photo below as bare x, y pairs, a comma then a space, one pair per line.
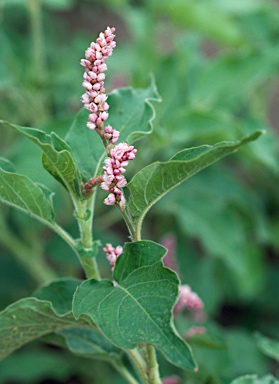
214, 68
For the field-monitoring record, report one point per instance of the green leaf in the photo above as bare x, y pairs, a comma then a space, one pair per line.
59, 293
268, 346
28, 319
57, 158
89, 343
20, 192
6, 165
139, 308
155, 180
131, 113
186, 13
254, 379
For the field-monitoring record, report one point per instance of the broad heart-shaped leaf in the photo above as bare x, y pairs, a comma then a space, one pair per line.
82, 341
28, 319
155, 180
57, 158
20, 192
131, 113
139, 308
254, 379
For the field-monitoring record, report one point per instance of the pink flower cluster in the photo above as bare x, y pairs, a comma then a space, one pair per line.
187, 299
94, 99
112, 253
113, 173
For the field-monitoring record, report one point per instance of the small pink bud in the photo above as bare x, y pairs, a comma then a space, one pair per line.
93, 117
96, 86
91, 126
110, 200
87, 85
101, 77
103, 116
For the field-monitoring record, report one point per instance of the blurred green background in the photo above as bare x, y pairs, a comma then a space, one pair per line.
216, 66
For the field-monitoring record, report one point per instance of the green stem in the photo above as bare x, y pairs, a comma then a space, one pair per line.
130, 225
153, 368
84, 216
39, 70
120, 367
139, 364
37, 39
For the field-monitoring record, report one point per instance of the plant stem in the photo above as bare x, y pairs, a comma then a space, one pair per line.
39, 62
85, 221
130, 225
120, 367
139, 364
154, 377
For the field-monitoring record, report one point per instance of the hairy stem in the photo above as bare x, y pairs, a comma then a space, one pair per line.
153, 368
120, 367
84, 216
139, 364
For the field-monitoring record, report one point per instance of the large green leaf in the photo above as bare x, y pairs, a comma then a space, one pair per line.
155, 180
28, 319
131, 113
20, 192
57, 158
139, 308
254, 379
89, 342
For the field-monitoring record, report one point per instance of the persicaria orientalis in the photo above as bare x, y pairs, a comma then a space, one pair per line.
95, 100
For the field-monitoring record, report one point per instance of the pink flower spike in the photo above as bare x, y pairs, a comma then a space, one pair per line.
94, 76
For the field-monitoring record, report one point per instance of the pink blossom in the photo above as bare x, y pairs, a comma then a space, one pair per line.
113, 172
95, 98
112, 253
187, 299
